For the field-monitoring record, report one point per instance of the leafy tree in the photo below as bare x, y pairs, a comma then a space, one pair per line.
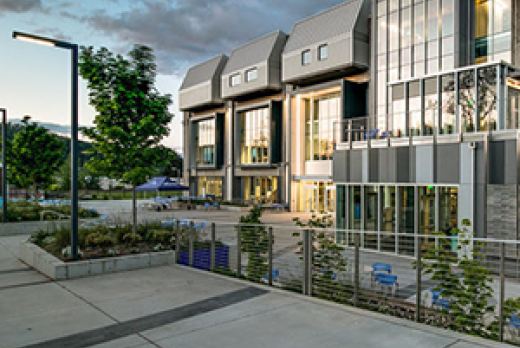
255, 242
172, 167
33, 157
327, 260
467, 292
132, 116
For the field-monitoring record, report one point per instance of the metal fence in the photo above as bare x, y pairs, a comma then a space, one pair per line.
456, 282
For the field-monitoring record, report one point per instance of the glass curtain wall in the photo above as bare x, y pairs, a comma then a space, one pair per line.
210, 185
205, 143
320, 116
431, 105
255, 136
487, 98
448, 119
513, 104
492, 30
388, 216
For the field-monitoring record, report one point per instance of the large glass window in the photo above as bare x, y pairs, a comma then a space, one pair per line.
426, 210
355, 207
492, 30
448, 122
320, 122
255, 136
235, 80
381, 35
513, 104
448, 11
388, 217
393, 31
211, 186
448, 208
415, 107
487, 98
261, 189
371, 217
306, 57
398, 111
406, 220
433, 19
205, 143
466, 102
431, 104
251, 74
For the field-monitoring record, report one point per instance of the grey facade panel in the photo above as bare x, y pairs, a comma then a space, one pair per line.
373, 171
402, 162
510, 162
201, 85
448, 163
496, 162
387, 167
340, 166
423, 166
262, 54
355, 166
343, 28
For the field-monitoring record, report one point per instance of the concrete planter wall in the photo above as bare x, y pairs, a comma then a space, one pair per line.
29, 227
234, 208
56, 269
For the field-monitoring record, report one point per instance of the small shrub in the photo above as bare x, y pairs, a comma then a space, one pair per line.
99, 240
160, 236
132, 239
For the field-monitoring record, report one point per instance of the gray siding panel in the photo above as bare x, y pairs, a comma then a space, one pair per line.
340, 166
448, 163
356, 165
402, 162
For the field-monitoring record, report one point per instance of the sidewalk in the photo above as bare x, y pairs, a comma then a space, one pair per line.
179, 307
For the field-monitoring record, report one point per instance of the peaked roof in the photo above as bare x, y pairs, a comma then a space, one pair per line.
203, 72
322, 26
254, 52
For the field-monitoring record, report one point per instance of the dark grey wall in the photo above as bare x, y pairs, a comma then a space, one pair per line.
502, 162
448, 163
340, 164
356, 166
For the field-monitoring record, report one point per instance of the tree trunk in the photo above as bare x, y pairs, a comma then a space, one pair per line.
35, 194
134, 210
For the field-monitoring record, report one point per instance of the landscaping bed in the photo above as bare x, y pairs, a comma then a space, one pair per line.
28, 211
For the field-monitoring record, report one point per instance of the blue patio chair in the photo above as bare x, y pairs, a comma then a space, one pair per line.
168, 223
215, 205
373, 133
207, 206
387, 281
381, 267
275, 273
333, 276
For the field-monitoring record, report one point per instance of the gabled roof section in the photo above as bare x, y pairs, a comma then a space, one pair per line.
325, 25
204, 72
254, 52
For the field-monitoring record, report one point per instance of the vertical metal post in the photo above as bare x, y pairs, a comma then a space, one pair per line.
4, 165
177, 241
74, 154
418, 286
356, 269
239, 251
270, 255
190, 248
502, 291
213, 233
307, 263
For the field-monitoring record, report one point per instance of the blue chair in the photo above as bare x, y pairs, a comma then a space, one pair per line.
388, 281
514, 321
333, 275
381, 267
215, 205
275, 273
207, 206
168, 223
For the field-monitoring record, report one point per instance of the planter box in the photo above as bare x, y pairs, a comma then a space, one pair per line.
56, 269
29, 227
202, 258
234, 208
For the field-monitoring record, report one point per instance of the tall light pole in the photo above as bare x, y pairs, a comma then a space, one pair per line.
74, 126
4, 165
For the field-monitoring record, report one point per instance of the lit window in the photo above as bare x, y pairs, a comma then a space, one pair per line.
235, 80
323, 52
306, 57
251, 74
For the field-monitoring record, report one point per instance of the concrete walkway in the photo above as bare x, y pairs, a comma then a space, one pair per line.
179, 307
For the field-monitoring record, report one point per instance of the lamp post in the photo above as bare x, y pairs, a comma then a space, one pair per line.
4, 165
74, 126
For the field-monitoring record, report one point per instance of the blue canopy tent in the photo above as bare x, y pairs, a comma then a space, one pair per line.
161, 184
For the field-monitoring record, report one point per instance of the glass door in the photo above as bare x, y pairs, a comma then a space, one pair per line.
310, 197
330, 199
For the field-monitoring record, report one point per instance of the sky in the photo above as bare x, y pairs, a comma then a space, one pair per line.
35, 80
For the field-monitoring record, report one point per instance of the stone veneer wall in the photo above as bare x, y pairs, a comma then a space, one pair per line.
502, 215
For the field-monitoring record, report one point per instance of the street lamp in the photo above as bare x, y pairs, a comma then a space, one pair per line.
4, 165
74, 126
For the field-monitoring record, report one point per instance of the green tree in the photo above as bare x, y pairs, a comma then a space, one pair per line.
63, 176
172, 167
255, 242
33, 157
132, 116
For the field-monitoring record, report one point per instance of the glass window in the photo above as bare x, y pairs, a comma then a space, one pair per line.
235, 80
433, 65
251, 74
320, 126
418, 23
447, 62
487, 98
419, 69
381, 87
261, 189
388, 217
448, 11
448, 208
394, 5
398, 111
433, 19
406, 27
433, 49
255, 136
513, 104
415, 107
419, 52
447, 45
448, 122
393, 31
355, 207
306, 57
341, 212
323, 52
205, 143
371, 217
466, 103
210, 186
483, 31
426, 210
431, 105
381, 8
406, 220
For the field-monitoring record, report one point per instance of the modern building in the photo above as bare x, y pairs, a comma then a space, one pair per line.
399, 116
